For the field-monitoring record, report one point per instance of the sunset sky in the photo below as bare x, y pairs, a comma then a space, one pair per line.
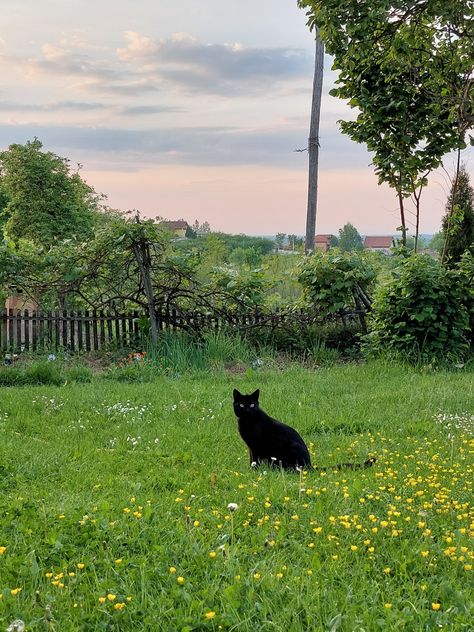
191, 109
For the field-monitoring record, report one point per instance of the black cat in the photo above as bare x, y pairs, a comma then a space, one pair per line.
272, 442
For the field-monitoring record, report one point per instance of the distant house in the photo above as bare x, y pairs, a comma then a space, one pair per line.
178, 227
322, 242
17, 301
379, 244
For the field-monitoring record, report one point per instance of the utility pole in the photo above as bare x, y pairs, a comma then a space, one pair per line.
313, 144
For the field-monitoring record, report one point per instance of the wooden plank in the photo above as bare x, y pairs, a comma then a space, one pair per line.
101, 330
95, 332
80, 329
87, 324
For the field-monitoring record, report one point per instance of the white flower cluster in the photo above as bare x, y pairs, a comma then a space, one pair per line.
49, 404
456, 423
126, 410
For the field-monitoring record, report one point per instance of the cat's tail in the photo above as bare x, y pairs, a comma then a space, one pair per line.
347, 466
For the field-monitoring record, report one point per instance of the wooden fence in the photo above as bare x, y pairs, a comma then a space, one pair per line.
96, 330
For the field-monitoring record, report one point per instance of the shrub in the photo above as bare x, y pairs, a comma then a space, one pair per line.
421, 313
43, 373
11, 376
80, 374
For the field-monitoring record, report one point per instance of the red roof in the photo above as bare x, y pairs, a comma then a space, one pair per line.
322, 239
175, 224
378, 242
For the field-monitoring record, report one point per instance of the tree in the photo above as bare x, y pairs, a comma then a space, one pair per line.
407, 67
349, 238
45, 199
458, 223
280, 240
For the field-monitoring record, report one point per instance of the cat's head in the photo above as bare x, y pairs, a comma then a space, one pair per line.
245, 404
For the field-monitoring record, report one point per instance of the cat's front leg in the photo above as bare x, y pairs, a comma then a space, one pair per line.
252, 459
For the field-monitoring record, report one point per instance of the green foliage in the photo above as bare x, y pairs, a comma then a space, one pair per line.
407, 68
280, 240
79, 374
349, 239
332, 281
33, 374
238, 291
465, 268
421, 313
45, 200
458, 223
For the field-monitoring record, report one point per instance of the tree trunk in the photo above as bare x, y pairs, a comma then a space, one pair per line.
403, 226
142, 256
313, 144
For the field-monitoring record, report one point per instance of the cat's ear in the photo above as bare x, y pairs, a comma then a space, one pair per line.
237, 395
255, 395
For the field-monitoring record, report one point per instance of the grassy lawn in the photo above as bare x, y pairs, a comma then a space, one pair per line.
113, 512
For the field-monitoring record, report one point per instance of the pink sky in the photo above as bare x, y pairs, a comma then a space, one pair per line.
192, 109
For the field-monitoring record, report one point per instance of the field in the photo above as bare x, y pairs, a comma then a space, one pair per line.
115, 505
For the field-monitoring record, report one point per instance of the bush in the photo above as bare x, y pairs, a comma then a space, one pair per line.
80, 374
43, 373
421, 313
11, 376
334, 281
34, 374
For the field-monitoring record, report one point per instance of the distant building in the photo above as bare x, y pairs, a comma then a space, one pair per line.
379, 244
323, 242
17, 301
178, 227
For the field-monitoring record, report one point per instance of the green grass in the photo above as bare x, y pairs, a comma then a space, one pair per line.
132, 480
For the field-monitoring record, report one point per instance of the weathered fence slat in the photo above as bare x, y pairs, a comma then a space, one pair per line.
93, 331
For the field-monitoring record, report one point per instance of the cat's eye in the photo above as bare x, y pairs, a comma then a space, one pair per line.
241, 405
252, 405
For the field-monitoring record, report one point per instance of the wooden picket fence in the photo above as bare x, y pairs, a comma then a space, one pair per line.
75, 331
96, 330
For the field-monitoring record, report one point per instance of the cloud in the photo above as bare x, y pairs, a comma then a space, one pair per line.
85, 106
179, 63
224, 69
81, 106
215, 146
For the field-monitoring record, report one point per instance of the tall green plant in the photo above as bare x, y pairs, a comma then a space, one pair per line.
335, 281
421, 313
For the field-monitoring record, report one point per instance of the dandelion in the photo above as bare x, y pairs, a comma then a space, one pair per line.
212, 554
257, 576
80, 566
425, 553
111, 597
435, 606
180, 580
232, 506
119, 605
387, 606
279, 575
210, 615
118, 561
102, 599
387, 570
2, 551
172, 569
15, 591
196, 523
16, 626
